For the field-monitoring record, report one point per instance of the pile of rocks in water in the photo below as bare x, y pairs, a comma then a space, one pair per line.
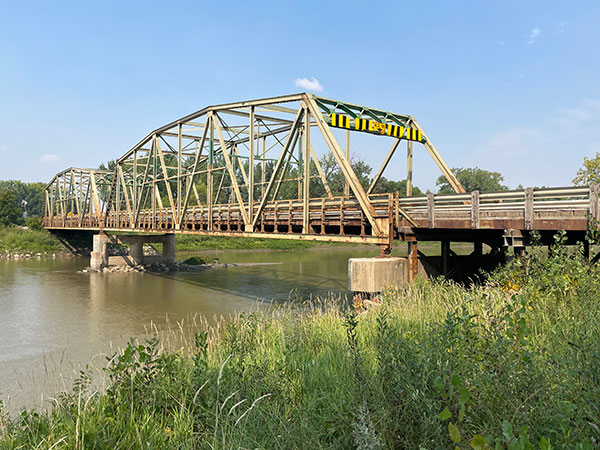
23, 255
152, 268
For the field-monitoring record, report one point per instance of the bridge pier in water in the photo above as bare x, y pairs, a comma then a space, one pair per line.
100, 258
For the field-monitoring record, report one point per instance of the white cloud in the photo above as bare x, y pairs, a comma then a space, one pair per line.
533, 35
49, 158
311, 84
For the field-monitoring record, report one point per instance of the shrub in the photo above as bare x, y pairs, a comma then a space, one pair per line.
34, 223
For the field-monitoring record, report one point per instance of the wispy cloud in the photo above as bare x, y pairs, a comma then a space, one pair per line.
49, 158
585, 114
554, 147
311, 84
533, 35
561, 27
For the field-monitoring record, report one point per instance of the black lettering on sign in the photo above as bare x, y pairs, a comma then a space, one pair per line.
371, 126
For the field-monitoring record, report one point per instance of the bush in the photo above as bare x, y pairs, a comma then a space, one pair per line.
34, 223
194, 261
34, 241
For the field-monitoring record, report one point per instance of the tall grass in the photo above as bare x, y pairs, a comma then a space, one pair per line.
511, 364
33, 241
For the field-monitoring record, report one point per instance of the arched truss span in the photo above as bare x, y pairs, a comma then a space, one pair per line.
247, 168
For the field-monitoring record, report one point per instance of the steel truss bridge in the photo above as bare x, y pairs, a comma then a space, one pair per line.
251, 169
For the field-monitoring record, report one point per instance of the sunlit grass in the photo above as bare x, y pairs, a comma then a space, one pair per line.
33, 241
514, 363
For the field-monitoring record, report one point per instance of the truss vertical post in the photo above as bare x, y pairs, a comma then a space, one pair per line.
154, 188
135, 193
248, 227
409, 168
209, 173
300, 164
306, 177
262, 172
346, 185
94, 194
179, 218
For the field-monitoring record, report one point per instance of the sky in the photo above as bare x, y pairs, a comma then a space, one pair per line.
507, 86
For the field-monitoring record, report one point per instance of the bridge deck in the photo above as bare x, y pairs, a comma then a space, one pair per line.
429, 217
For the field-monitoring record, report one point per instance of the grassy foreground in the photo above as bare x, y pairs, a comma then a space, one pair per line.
512, 364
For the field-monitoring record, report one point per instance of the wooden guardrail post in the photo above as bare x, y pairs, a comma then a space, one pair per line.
529, 208
475, 209
430, 211
594, 210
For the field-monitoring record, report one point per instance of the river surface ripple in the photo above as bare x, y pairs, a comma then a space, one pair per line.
54, 320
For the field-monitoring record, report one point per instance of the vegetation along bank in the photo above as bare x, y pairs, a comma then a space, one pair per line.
511, 364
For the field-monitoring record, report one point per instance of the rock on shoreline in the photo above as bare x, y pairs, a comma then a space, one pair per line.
29, 255
178, 266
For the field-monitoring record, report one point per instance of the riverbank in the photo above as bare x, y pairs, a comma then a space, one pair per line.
510, 364
194, 243
17, 243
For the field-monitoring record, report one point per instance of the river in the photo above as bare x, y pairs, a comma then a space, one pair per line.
55, 319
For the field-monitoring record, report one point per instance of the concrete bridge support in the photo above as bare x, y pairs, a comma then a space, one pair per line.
372, 275
100, 257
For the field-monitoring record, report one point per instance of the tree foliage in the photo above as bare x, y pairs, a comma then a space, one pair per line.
473, 179
289, 188
10, 212
32, 193
589, 173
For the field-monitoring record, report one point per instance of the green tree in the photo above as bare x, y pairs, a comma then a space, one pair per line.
335, 177
473, 179
108, 166
589, 173
33, 193
10, 212
385, 185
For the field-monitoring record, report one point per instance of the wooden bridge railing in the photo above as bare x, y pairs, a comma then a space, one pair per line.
527, 209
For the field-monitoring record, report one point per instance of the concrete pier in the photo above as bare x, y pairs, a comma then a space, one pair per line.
100, 258
375, 274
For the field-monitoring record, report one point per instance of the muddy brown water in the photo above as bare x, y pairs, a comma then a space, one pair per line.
55, 320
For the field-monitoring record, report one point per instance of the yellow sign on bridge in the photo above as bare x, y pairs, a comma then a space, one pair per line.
371, 126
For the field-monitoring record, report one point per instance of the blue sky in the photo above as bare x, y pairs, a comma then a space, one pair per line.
510, 86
